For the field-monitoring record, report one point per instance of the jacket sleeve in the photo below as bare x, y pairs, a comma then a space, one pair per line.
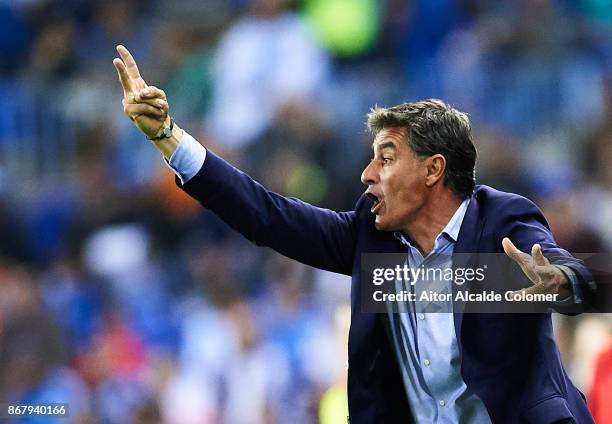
525, 225
314, 236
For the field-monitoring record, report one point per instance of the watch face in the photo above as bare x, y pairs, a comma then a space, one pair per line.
167, 132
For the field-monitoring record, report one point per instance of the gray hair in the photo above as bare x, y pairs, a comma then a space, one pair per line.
434, 127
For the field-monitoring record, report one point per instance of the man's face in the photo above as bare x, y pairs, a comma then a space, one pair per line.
396, 180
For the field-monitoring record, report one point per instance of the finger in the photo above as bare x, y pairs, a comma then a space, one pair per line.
155, 102
124, 79
162, 105
152, 92
511, 250
135, 109
523, 259
130, 63
158, 103
538, 256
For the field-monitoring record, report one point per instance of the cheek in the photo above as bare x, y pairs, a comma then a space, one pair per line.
407, 198
405, 188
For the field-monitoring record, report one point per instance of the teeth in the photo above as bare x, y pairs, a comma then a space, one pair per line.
375, 206
376, 201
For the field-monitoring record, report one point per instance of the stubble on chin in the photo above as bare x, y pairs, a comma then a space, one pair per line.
380, 226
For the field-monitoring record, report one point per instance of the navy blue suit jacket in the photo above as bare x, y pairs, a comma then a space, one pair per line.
509, 360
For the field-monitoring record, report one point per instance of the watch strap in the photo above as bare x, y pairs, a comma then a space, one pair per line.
166, 132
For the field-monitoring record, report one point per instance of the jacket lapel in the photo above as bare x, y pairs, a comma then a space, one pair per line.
363, 322
466, 247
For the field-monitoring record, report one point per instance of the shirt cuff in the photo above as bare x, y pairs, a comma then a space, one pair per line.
576, 296
187, 159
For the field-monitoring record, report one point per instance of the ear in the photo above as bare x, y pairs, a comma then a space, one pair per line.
435, 167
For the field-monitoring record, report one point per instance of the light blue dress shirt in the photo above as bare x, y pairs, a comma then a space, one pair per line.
426, 344
188, 158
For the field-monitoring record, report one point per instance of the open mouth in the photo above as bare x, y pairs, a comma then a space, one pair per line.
376, 202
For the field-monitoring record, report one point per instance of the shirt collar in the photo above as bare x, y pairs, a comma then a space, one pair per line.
452, 227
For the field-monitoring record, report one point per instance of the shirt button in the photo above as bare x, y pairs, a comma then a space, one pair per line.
421, 316
426, 362
442, 403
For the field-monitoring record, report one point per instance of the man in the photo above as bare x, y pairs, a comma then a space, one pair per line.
421, 199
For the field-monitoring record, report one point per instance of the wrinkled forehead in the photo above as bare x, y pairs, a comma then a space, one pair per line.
392, 137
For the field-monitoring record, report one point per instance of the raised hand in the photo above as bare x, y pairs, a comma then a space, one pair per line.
145, 105
546, 278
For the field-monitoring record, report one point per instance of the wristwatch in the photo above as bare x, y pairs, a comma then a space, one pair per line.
166, 133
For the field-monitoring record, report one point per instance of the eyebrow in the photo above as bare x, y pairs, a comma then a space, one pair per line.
386, 145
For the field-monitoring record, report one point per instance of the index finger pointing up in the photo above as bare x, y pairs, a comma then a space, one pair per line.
130, 63
124, 79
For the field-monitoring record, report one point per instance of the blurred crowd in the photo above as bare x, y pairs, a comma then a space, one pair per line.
122, 297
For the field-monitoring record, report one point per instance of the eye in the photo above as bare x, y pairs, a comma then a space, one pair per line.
386, 160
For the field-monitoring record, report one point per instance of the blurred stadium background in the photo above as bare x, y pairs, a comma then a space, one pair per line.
122, 297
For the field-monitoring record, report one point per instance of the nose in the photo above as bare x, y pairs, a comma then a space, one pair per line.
369, 175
